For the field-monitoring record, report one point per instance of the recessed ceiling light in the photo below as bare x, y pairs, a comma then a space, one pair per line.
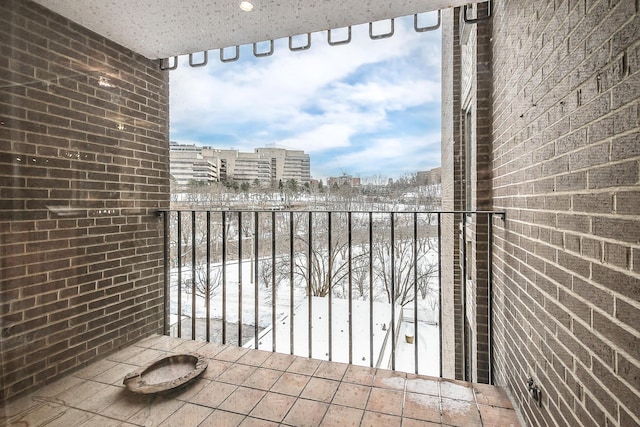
247, 6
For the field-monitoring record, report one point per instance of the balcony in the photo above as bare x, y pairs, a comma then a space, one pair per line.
233, 281
551, 139
251, 387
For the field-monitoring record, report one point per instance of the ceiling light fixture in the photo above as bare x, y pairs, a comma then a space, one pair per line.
247, 6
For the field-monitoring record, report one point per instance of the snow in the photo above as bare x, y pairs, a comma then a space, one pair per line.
363, 340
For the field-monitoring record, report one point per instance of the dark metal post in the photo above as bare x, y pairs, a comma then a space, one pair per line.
273, 281
415, 290
208, 292
490, 294
167, 278
330, 284
371, 289
309, 283
393, 294
193, 275
240, 259
179, 216
350, 293
255, 275
224, 277
463, 282
440, 285
291, 296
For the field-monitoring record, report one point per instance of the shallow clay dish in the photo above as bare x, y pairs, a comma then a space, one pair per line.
166, 374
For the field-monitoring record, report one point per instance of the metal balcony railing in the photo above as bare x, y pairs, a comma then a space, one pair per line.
351, 286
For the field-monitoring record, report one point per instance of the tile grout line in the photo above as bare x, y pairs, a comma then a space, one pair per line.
327, 374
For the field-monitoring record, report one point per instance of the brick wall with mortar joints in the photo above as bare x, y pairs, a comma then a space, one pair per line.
466, 79
453, 198
572, 263
476, 80
84, 154
468, 119
482, 193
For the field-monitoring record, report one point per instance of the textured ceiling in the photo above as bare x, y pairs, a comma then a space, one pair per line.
165, 28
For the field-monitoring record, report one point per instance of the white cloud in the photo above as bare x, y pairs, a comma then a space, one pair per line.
320, 100
324, 137
389, 95
387, 156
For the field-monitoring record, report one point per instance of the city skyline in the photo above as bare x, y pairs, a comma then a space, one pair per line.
189, 162
364, 108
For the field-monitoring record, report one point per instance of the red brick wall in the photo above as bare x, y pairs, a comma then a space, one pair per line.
83, 169
566, 153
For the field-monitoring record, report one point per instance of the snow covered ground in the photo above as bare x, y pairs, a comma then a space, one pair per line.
427, 339
363, 339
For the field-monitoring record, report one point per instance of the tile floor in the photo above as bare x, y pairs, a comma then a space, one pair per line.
244, 387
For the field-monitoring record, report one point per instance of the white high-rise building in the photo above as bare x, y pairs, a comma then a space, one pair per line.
190, 166
287, 164
265, 166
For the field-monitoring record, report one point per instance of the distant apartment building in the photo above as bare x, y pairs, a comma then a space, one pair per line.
342, 180
286, 165
265, 166
430, 177
191, 166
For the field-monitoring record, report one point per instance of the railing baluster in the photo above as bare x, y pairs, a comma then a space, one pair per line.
415, 291
393, 294
330, 284
350, 293
208, 292
179, 247
309, 276
224, 278
166, 303
255, 277
273, 281
371, 289
490, 294
240, 256
291, 296
466, 375
193, 275
440, 285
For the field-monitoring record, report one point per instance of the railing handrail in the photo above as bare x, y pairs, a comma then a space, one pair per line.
232, 214
502, 214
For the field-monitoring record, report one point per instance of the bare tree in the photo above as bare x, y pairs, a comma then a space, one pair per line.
414, 266
324, 266
201, 283
360, 277
377, 180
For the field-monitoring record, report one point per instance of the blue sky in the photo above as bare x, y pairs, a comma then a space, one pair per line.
369, 108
